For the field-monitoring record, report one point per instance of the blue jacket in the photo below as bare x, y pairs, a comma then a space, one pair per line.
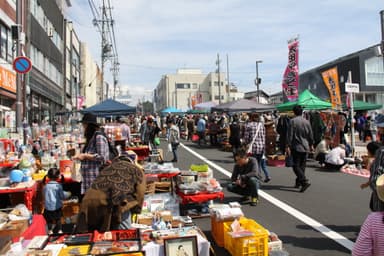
54, 195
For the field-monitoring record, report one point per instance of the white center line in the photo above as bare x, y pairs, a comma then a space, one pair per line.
340, 239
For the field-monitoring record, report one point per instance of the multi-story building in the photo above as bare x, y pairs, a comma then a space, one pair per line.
189, 87
90, 82
258, 96
366, 67
276, 98
7, 74
45, 32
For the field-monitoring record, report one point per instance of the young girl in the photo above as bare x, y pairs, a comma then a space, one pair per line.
372, 147
53, 200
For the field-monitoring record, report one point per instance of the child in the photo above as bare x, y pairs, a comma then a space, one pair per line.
53, 200
372, 147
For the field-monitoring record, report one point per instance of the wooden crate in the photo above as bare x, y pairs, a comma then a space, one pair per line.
14, 228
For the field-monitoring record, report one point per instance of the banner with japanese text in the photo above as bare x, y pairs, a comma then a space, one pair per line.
331, 80
7, 79
291, 75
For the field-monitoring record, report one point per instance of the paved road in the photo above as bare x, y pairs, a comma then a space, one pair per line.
325, 220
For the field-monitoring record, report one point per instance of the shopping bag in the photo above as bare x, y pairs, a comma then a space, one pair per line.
195, 137
288, 160
169, 147
156, 141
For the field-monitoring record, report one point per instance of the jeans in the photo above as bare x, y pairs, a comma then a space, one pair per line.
262, 164
174, 150
299, 164
251, 188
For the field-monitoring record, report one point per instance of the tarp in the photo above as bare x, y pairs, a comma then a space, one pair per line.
307, 100
362, 105
171, 110
205, 105
109, 107
243, 105
197, 111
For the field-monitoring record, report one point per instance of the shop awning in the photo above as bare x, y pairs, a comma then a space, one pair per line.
359, 105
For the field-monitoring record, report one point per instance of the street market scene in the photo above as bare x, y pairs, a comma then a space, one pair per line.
141, 128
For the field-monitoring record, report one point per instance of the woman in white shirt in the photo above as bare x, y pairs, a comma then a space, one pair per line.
322, 150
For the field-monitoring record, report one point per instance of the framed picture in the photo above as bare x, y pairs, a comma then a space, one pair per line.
181, 246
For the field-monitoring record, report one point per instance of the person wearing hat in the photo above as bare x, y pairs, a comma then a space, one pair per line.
94, 153
371, 237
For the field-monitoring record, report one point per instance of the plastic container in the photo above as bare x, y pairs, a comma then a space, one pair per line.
217, 229
256, 245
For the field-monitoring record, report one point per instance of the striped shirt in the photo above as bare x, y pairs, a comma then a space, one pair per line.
370, 241
250, 131
90, 168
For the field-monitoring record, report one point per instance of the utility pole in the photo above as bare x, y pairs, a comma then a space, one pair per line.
19, 77
257, 80
351, 94
103, 48
115, 73
218, 75
382, 34
228, 84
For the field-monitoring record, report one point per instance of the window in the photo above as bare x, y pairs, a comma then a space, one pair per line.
217, 97
194, 86
183, 86
3, 42
374, 71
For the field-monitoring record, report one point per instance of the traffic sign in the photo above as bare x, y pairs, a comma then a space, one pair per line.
352, 87
22, 64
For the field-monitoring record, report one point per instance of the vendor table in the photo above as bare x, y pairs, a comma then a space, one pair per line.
153, 249
28, 188
164, 175
37, 228
200, 197
142, 152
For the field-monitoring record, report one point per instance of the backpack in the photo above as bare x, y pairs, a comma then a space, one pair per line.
113, 152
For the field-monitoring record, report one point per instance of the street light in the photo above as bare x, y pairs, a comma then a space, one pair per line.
257, 80
382, 33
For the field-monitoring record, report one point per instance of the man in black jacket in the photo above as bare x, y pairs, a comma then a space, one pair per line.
245, 177
299, 143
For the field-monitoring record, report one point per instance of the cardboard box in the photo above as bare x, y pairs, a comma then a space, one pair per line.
14, 228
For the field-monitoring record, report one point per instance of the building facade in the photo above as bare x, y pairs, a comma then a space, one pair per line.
7, 74
366, 67
189, 87
45, 31
90, 82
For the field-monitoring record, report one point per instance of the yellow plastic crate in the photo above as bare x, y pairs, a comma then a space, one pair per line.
217, 230
256, 245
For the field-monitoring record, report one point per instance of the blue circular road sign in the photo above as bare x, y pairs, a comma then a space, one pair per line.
22, 64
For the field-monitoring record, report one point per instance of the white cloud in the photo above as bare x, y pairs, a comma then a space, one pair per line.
157, 37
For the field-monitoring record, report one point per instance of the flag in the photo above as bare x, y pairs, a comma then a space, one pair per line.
331, 80
291, 75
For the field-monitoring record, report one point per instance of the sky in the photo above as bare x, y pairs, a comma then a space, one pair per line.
157, 37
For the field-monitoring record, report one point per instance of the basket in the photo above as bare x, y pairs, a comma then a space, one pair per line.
162, 186
150, 188
256, 245
217, 229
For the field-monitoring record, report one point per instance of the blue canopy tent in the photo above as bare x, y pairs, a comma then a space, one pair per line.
171, 110
109, 107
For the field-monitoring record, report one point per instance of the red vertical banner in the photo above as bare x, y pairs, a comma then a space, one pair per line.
291, 75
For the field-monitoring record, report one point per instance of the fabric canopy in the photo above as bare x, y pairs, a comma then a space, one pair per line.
171, 110
243, 105
109, 107
197, 111
307, 100
362, 105
205, 105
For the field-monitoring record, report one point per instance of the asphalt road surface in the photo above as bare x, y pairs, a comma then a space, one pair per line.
324, 220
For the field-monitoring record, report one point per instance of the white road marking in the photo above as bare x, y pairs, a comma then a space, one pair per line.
340, 239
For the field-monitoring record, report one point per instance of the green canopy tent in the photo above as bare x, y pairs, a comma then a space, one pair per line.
359, 105
307, 100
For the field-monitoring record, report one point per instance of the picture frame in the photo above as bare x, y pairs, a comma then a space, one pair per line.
181, 246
